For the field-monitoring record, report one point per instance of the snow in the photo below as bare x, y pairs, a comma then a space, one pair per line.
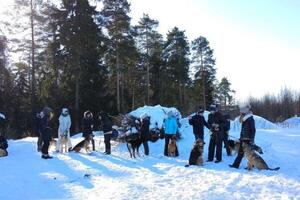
260, 123
24, 175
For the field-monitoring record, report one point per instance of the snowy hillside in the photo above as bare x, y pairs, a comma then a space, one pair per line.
24, 175
260, 123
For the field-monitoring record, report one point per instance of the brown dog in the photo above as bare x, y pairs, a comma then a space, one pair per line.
196, 155
254, 159
234, 146
84, 144
172, 146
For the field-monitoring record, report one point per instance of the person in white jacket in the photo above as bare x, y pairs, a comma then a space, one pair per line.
64, 129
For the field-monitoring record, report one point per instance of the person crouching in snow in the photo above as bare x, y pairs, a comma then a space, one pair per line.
247, 132
144, 129
64, 129
170, 126
87, 125
46, 131
106, 125
198, 122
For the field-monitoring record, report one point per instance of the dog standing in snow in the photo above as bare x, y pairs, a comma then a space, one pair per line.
172, 146
64, 141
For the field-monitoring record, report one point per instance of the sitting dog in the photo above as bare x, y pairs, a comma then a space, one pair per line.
234, 146
254, 159
133, 142
172, 146
196, 155
84, 144
53, 143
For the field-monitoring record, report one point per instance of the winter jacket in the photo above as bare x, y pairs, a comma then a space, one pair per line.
170, 125
106, 123
248, 128
87, 126
227, 125
145, 123
45, 129
216, 118
64, 124
198, 122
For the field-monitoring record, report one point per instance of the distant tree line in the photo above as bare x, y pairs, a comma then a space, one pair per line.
277, 108
74, 54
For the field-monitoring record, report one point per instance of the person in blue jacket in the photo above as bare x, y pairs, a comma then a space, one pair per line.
170, 127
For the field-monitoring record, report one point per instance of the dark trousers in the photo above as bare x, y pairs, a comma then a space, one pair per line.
215, 143
199, 136
107, 138
167, 139
225, 140
146, 146
45, 147
240, 155
39, 143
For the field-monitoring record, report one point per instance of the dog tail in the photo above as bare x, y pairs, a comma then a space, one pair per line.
274, 169
187, 165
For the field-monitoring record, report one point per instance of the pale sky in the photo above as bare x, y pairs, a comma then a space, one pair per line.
256, 42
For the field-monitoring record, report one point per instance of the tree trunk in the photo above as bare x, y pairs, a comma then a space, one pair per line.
77, 74
33, 100
118, 77
203, 83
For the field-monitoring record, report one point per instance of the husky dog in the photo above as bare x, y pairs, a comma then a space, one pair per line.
254, 159
196, 155
133, 142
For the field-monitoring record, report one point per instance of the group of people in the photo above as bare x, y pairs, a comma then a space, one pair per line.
217, 123
87, 126
219, 126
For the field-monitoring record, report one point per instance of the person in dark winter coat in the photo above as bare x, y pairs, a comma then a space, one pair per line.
226, 134
38, 122
2, 124
247, 132
106, 125
87, 125
46, 131
198, 122
216, 123
3, 141
145, 132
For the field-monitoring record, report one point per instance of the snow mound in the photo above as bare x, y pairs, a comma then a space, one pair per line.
157, 114
292, 120
260, 123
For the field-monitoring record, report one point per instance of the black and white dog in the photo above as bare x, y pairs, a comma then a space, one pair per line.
133, 142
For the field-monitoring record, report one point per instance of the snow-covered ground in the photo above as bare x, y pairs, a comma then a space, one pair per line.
24, 175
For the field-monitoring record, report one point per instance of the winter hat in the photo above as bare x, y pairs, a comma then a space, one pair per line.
47, 110
170, 113
200, 110
2, 116
65, 111
213, 108
88, 113
245, 109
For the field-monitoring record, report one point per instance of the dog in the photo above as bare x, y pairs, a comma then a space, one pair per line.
53, 143
172, 146
64, 143
133, 143
254, 160
234, 146
84, 144
196, 155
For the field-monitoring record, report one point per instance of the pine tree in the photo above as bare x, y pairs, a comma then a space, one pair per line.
176, 59
146, 41
205, 72
122, 52
225, 93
